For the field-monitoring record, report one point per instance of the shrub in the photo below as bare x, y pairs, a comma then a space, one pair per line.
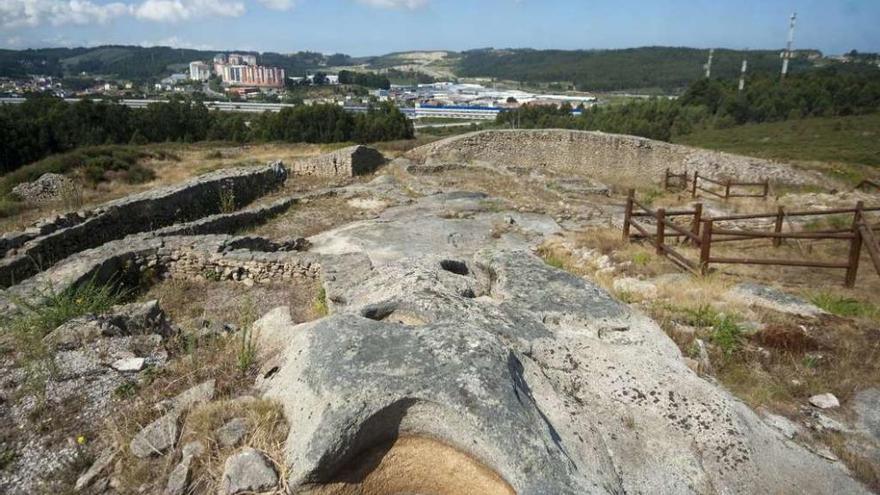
703, 316
138, 174
786, 337
727, 334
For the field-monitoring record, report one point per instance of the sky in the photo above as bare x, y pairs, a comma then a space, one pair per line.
374, 27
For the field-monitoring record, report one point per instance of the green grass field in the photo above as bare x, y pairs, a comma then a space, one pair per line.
837, 140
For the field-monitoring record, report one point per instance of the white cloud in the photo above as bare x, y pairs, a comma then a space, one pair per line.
278, 4
17, 13
181, 10
395, 4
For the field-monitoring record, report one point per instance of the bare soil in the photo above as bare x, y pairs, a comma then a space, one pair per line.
412, 465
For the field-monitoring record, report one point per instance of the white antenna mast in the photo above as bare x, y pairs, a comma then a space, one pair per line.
709, 63
787, 55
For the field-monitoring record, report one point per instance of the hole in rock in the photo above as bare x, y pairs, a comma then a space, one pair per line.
456, 267
413, 465
392, 313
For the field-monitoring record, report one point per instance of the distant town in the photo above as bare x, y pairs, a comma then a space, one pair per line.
239, 82
239, 77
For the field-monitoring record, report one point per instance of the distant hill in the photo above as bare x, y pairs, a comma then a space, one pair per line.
140, 63
664, 68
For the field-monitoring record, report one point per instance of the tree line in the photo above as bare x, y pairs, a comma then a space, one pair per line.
718, 103
44, 125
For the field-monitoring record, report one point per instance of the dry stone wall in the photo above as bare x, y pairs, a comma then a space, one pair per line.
128, 261
140, 213
347, 162
605, 156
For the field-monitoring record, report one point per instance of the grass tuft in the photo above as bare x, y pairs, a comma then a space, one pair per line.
845, 306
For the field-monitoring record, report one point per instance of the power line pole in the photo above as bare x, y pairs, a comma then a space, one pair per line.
708, 65
742, 74
787, 55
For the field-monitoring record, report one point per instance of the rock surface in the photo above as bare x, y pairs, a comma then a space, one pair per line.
232, 432
539, 375
770, 298
825, 401
48, 187
247, 471
157, 437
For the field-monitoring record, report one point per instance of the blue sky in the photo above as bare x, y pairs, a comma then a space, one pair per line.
372, 27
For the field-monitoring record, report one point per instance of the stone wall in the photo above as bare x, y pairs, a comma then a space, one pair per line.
347, 162
247, 260
140, 213
612, 157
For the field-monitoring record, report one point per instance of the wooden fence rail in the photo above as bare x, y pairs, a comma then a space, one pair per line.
703, 232
726, 192
675, 181
865, 185
682, 182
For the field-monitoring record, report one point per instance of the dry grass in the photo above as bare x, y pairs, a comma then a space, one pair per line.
314, 217
193, 363
266, 432
183, 162
851, 454
189, 303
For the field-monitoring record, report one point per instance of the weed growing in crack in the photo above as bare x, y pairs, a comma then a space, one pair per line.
226, 198
320, 305
246, 353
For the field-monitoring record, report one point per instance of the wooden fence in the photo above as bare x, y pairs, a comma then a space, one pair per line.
867, 185
704, 232
673, 181
724, 189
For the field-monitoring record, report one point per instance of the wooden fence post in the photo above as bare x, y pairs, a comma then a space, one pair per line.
694, 187
705, 247
661, 230
666, 180
727, 190
627, 214
766, 188
855, 247
780, 217
698, 216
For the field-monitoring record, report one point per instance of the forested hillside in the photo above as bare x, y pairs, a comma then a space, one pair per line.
140, 63
717, 104
664, 68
